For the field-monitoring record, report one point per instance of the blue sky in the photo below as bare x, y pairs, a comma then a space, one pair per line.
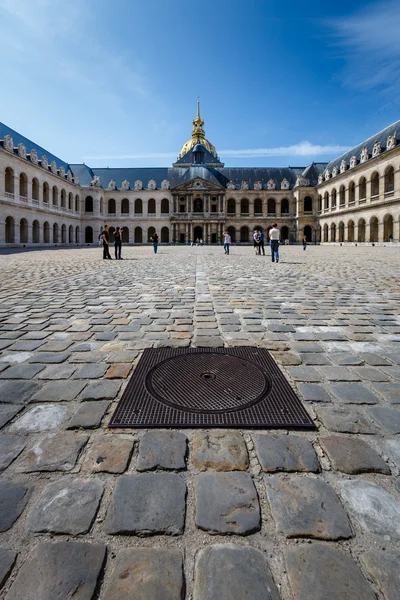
281, 82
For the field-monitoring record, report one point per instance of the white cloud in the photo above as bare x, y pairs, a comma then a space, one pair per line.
303, 149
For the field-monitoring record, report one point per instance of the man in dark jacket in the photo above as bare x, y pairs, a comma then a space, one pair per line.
106, 240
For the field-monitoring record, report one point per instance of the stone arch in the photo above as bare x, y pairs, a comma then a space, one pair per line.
341, 231
389, 179
285, 207
374, 184
333, 232
350, 231
35, 232
334, 198
361, 230
88, 204
77, 234
77, 203
165, 206
326, 233
362, 189
138, 235
319, 203
308, 205
373, 229
111, 231
308, 232
326, 201
70, 201
125, 235
10, 230
138, 208
55, 195
342, 196
150, 233
46, 232
63, 233
88, 235
9, 180
151, 207
23, 231
23, 185
112, 208
232, 232
271, 206
258, 206
387, 227
164, 235
244, 206
352, 192
46, 193
35, 189
55, 233
231, 206
70, 234
125, 206
284, 233
63, 198
244, 234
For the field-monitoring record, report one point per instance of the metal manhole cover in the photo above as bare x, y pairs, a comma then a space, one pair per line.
209, 387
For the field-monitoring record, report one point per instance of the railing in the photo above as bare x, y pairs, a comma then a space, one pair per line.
362, 201
9, 195
35, 202
375, 197
23, 199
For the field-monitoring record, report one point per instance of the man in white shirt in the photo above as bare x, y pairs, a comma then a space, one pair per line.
227, 242
274, 237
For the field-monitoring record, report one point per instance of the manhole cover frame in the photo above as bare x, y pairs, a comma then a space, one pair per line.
278, 407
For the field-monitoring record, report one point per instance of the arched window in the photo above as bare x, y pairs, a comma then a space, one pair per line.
308, 207
362, 189
284, 233
334, 198
150, 233
77, 203
232, 232
308, 233
77, 234
151, 207
138, 208
35, 232
88, 204
46, 193
165, 206
63, 234
214, 204
350, 231
333, 232
70, 201
244, 207
326, 234
164, 235
285, 207
271, 206
341, 231
231, 208
373, 229
10, 230
389, 180
111, 206
374, 185
9, 181
23, 185
35, 189
258, 206
342, 196
55, 196
352, 193
125, 206
361, 230
138, 235
387, 228
46, 233
63, 199
198, 205
244, 234
326, 201
70, 235
88, 235
55, 233
125, 235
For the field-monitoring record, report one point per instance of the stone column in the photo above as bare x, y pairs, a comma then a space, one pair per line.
381, 232
2, 232
367, 229
396, 231
346, 234
30, 234
355, 232
251, 207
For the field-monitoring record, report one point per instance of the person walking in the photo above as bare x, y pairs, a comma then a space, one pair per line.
256, 241
274, 237
304, 243
262, 239
106, 242
227, 242
154, 239
118, 243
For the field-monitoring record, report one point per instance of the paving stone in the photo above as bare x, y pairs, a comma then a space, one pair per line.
7, 412
56, 345
7, 560
373, 508
393, 372
304, 374
352, 393
53, 452
287, 358
50, 357
351, 455
162, 450
21, 372
345, 358
227, 503
149, 573
58, 391
17, 392
313, 392
15, 357
100, 390
306, 507
227, 572
26, 345
388, 418
147, 503
88, 415
339, 374
222, 451
11, 446
323, 572
347, 420
66, 506
93, 371
118, 371
285, 453
373, 359
13, 499
63, 371
43, 417
109, 454
383, 568
390, 391
392, 449
312, 358
60, 570
307, 347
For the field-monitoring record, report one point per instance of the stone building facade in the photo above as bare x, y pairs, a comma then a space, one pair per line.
46, 201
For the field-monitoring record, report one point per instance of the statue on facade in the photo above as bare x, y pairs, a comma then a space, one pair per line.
44, 162
391, 141
112, 186
230, 185
245, 185
62, 172
165, 184
335, 171
258, 185
152, 185
353, 161
8, 143
284, 184
21, 150
320, 178
53, 167
343, 166
271, 184
326, 174
138, 185
95, 181
69, 175
364, 154
376, 149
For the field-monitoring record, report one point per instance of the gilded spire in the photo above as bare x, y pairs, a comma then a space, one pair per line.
198, 125
198, 136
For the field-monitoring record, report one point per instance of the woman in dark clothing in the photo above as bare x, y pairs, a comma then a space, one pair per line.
118, 242
154, 239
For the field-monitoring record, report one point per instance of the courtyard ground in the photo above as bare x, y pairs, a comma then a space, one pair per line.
88, 512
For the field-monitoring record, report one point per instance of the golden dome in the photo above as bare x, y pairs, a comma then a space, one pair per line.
198, 136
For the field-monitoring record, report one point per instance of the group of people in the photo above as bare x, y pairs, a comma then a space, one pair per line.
259, 241
104, 239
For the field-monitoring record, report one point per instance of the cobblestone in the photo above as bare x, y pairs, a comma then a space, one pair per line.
219, 451
162, 450
285, 453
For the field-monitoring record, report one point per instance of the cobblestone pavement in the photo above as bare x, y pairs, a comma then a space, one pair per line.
86, 512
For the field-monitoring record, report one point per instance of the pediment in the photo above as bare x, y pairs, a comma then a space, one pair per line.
198, 185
